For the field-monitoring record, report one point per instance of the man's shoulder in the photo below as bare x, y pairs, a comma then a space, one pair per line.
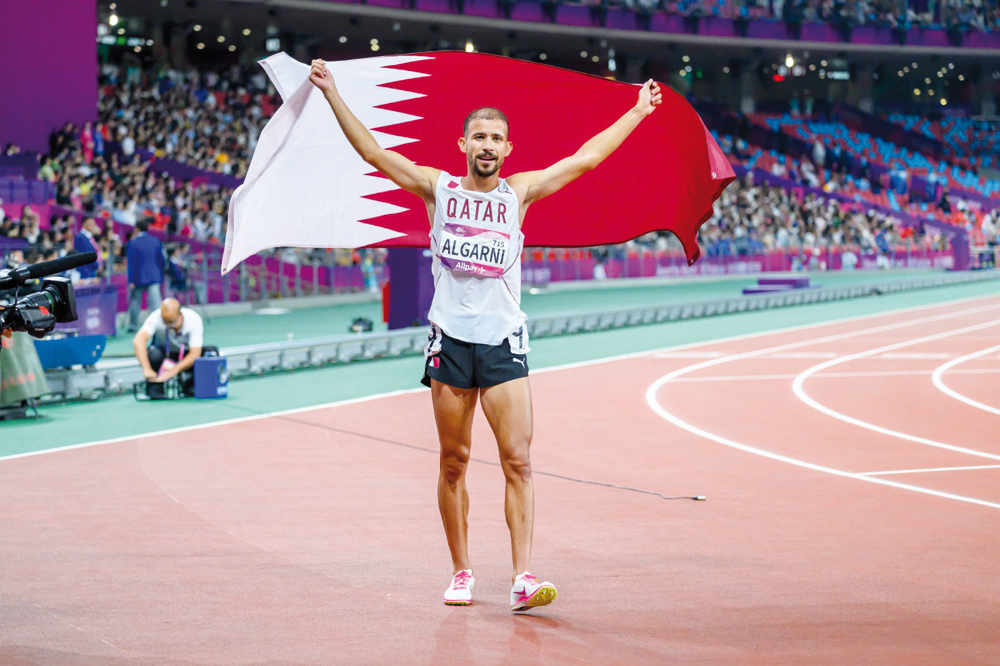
191, 315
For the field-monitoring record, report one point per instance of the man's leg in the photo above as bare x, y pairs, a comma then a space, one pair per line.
453, 412
156, 357
508, 409
154, 299
134, 308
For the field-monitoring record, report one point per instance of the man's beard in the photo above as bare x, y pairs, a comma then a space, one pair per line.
487, 172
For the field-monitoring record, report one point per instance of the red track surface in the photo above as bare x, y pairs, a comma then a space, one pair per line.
314, 538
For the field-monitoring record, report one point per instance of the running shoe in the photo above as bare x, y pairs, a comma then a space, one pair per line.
459, 593
529, 592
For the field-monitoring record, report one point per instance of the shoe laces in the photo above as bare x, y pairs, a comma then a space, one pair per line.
461, 580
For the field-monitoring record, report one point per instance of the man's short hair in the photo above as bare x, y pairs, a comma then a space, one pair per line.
485, 113
142, 225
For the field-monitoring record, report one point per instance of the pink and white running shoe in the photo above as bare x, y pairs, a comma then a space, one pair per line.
529, 592
459, 593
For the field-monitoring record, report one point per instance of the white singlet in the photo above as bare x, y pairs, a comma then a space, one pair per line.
477, 241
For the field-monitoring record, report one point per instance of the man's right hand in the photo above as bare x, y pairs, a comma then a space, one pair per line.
321, 76
149, 375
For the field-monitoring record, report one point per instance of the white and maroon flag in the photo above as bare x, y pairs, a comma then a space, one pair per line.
306, 186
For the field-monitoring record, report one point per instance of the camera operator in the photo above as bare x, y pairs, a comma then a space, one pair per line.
169, 342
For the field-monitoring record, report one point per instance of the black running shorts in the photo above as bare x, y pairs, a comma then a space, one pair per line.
467, 365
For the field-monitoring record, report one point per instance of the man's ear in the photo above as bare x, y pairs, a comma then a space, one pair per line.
510, 147
462, 145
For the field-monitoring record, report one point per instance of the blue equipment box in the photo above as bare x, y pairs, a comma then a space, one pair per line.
211, 377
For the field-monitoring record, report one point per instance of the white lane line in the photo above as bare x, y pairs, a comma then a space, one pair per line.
663, 413
833, 375
565, 366
929, 469
690, 354
918, 356
938, 382
804, 397
651, 400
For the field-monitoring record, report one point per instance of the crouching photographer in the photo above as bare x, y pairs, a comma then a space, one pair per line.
169, 342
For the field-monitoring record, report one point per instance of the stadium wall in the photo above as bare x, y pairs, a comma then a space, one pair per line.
49, 53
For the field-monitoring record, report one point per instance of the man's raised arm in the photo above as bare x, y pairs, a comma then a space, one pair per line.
412, 178
534, 185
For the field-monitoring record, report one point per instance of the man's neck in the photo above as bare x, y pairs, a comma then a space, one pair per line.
476, 183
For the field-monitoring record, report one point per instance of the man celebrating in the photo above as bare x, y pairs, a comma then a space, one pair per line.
169, 342
478, 343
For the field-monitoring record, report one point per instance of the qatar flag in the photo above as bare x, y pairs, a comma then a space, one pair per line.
307, 187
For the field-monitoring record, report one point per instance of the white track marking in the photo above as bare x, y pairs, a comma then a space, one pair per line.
655, 406
691, 354
938, 382
929, 469
918, 356
565, 366
831, 375
651, 400
804, 397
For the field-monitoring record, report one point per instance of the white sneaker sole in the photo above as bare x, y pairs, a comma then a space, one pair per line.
543, 596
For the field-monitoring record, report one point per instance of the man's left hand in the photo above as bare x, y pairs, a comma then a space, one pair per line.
649, 98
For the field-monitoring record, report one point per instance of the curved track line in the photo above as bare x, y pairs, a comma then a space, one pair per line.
804, 397
664, 414
655, 406
938, 382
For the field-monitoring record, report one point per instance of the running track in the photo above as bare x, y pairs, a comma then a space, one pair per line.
853, 478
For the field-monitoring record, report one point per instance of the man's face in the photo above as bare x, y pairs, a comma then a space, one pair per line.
174, 322
485, 146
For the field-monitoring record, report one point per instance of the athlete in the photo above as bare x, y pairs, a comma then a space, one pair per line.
478, 343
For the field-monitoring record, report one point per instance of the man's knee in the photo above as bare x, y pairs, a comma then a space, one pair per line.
516, 464
453, 465
156, 356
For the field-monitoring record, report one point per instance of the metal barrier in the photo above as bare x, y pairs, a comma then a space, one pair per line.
254, 360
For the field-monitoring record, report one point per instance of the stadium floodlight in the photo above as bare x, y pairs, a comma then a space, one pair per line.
246, 31
343, 39
197, 27
914, 65
789, 61
543, 56
470, 47
583, 54
916, 91
944, 102
113, 20
961, 77
822, 63
686, 59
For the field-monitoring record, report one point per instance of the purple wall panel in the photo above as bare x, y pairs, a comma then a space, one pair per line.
528, 11
49, 53
481, 8
574, 15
